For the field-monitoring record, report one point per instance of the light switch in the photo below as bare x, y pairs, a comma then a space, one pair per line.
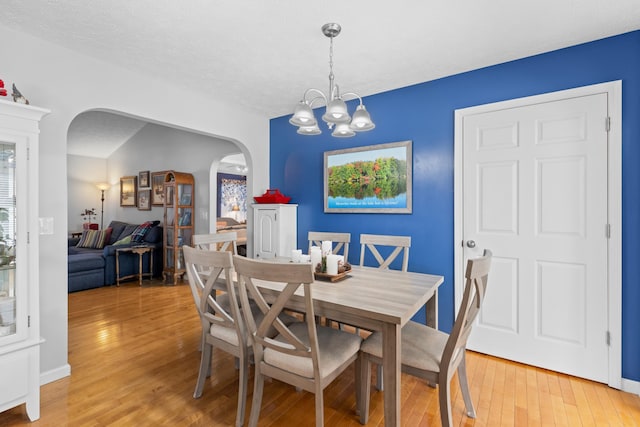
46, 225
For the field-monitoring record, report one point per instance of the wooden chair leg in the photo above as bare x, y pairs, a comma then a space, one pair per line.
357, 379
319, 406
205, 370
258, 386
464, 387
444, 395
379, 382
365, 389
242, 389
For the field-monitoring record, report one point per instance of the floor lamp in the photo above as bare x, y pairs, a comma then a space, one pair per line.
102, 187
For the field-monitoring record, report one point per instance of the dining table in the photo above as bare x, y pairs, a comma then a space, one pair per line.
376, 300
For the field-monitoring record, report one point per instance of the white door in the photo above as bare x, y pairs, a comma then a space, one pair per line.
535, 193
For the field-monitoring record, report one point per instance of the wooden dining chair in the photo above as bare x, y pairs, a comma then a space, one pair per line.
431, 354
373, 242
303, 354
394, 244
217, 241
221, 327
340, 241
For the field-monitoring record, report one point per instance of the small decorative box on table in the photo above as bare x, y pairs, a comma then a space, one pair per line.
342, 274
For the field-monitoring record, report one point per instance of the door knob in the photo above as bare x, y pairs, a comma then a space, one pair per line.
471, 244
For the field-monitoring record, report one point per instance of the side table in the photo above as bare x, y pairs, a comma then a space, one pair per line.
140, 250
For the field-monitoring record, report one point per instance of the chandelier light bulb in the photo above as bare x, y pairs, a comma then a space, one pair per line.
361, 120
336, 112
303, 115
309, 130
343, 130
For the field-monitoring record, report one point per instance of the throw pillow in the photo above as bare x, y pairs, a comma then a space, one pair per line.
93, 239
154, 235
138, 234
124, 241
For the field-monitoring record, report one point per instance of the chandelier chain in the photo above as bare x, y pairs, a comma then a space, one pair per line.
331, 76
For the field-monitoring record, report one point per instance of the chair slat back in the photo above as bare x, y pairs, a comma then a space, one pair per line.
203, 286
400, 244
292, 276
340, 241
477, 275
217, 242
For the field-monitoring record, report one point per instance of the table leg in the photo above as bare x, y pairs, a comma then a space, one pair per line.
140, 268
391, 359
432, 311
151, 264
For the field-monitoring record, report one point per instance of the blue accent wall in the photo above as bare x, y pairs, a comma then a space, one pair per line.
424, 113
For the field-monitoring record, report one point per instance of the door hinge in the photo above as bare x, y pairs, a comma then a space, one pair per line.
27, 153
29, 321
607, 124
28, 238
608, 338
607, 231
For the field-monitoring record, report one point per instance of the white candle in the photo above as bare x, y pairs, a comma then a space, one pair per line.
316, 256
327, 246
305, 258
332, 264
295, 255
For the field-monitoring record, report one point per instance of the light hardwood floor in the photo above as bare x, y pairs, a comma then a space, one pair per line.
134, 358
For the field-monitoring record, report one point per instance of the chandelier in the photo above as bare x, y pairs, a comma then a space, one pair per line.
336, 113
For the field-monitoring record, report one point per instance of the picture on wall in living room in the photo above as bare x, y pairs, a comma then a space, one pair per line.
128, 191
157, 192
144, 200
144, 180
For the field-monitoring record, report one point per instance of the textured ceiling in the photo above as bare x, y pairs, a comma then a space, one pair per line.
98, 134
264, 54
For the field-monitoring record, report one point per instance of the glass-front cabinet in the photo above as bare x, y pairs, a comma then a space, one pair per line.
178, 222
8, 238
19, 275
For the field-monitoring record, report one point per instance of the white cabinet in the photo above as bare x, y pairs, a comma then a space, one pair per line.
19, 274
274, 230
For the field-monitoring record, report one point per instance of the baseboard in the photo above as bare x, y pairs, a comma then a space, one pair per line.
55, 374
631, 386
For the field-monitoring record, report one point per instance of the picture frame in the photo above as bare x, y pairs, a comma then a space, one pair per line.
144, 200
144, 180
390, 192
157, 190
129, 191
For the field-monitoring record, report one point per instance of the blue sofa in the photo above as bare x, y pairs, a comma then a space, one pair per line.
91, 268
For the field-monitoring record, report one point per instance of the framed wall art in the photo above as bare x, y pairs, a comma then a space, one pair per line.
371, 179
144, 180
144, 200
129, 191
157, 190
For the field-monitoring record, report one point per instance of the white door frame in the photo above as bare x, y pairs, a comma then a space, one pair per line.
614, 189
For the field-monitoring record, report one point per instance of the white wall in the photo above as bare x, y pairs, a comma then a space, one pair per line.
84, 173
68, 84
